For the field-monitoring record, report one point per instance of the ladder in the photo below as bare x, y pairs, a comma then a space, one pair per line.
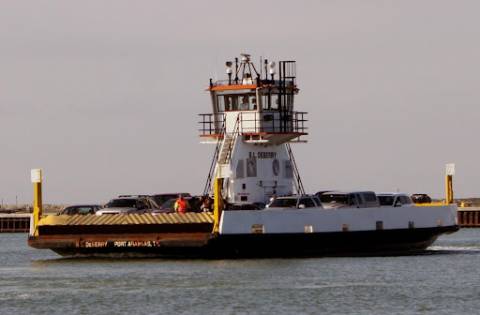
222, 154
226, 151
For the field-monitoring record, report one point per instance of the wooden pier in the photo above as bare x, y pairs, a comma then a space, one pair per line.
468, 217
15, 223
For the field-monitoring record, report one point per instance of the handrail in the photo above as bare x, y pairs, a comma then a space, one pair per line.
295, 124
289, 81
231, 145
298, 180
261, 122
235, 133
208, 184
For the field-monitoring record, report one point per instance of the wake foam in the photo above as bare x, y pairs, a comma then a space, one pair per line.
454, 248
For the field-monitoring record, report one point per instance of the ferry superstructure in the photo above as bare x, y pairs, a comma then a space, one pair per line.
252, 123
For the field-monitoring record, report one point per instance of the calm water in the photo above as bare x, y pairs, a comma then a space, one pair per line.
444, 281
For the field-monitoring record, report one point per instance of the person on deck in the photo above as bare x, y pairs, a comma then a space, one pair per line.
207, 204
244, 105
181, 205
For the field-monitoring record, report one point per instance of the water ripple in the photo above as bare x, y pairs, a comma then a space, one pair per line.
442, 280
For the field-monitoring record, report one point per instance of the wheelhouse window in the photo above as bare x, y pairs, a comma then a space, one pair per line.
227, 102
271, 101
236, 102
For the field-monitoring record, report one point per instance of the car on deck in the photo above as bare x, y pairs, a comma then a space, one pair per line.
421, 198
349, 199
394, 199
160, 199
295, 202
129, 204
168, 206
80, 209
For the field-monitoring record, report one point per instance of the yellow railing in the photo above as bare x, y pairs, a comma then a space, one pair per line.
431, 204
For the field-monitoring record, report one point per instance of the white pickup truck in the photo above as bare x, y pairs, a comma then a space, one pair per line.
395, 199
340, 199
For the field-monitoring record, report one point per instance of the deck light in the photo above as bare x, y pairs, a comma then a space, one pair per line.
229, 67
271, 69
36, 175
229, 71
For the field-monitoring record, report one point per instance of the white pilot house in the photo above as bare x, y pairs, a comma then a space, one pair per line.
252, 124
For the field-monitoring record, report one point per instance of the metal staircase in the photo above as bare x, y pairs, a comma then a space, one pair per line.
296, 175
226, 149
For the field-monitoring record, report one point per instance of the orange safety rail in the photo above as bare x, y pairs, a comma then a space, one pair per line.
232, 87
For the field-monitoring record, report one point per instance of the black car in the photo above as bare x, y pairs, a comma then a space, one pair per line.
421, 198
80, 209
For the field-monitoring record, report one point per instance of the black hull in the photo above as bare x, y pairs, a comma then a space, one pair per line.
372, 243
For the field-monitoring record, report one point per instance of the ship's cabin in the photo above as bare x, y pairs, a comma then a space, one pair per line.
258, 106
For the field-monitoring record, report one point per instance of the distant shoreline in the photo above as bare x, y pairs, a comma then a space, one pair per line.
27, 208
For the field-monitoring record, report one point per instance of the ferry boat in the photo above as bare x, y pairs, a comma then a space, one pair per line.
252, 124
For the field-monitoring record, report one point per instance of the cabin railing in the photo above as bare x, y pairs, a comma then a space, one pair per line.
255, 122
212, 124
289, 82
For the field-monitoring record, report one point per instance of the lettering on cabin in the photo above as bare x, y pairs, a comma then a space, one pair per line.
263, 155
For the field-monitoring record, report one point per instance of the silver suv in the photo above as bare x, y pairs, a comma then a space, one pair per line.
349, 199
394, 199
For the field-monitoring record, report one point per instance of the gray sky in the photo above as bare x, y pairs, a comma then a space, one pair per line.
104, 95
